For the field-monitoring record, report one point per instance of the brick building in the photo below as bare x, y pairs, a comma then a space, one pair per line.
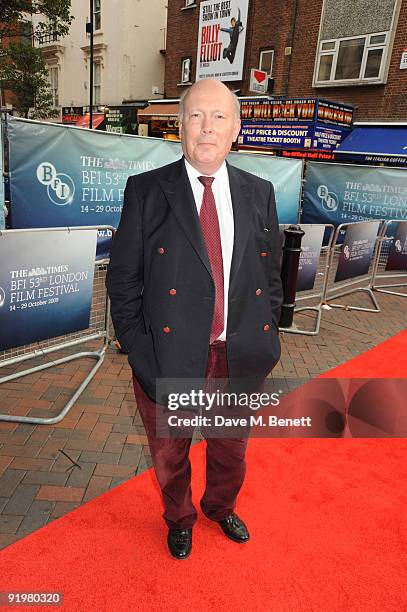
7, 97
339, 50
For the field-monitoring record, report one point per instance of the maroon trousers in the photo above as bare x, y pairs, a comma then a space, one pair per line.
225, 460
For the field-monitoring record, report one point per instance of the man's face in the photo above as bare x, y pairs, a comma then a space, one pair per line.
209, 125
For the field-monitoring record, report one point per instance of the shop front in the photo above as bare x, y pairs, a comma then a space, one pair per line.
71, 114
123, 119
376, 144
159, 120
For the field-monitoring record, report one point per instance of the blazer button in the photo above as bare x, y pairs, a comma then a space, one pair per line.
161, 250
258, 292
263, 253
266, 327
172, 292
166, 330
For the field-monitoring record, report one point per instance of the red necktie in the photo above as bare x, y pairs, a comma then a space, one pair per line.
211, 233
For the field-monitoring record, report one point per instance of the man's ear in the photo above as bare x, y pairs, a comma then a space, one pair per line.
180, 130
236, 130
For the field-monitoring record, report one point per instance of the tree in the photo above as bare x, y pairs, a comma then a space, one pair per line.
22, 67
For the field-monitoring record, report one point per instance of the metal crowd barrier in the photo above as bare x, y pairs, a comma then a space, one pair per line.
98, 330
314, 297
380, 273
339, 289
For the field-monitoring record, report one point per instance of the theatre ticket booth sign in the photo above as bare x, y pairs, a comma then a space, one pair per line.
297, 127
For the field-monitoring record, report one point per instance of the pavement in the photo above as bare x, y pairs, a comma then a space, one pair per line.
49, 470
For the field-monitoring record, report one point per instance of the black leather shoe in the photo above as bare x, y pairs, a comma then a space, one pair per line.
234, 528
180, 542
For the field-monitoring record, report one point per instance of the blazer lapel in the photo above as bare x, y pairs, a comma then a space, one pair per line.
179, 194
178, 191
241, 201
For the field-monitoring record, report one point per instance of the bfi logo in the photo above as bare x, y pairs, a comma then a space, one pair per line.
60, 186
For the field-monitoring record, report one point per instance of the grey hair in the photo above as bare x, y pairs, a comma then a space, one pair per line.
185, 93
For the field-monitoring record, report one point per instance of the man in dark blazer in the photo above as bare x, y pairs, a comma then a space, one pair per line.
195, 291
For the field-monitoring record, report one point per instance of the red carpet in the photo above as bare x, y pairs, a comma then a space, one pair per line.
327, 518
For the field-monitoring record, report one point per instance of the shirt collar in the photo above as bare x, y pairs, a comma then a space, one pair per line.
221, 174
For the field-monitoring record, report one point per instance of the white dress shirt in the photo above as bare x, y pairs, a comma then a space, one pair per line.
224, 208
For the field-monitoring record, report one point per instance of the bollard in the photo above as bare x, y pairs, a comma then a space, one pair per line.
289, 272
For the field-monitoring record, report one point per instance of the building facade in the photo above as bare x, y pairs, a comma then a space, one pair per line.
350, 52
129, 52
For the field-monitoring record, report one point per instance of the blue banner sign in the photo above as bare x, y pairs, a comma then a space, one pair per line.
286, 176
397, 259
342, 193
357, 250
311, 244
46, 284
65, 176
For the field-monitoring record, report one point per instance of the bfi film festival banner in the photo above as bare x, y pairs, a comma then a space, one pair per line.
309, 257
221, 39
2, 219
342, 193
63, 176
46, 284
286, 176
357, 250
397, 259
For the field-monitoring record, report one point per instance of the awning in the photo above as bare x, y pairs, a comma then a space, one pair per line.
97, 119
158, 111
376, 144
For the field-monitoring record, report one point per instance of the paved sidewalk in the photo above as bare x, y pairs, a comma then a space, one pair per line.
47, 471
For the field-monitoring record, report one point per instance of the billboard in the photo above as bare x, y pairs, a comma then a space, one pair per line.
297, 123
344, 193
121, 119
221, 39
294, 110
288, 136
46, 284
298, 110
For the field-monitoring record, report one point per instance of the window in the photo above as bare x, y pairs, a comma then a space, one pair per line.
26, 33
186, 70
97, 75
53, 81
358, 58
266, 61
97, 17
190, 2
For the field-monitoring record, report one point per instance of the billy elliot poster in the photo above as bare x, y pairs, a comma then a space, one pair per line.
221, 40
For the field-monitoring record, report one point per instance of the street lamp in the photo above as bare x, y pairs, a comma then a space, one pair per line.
89, 30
